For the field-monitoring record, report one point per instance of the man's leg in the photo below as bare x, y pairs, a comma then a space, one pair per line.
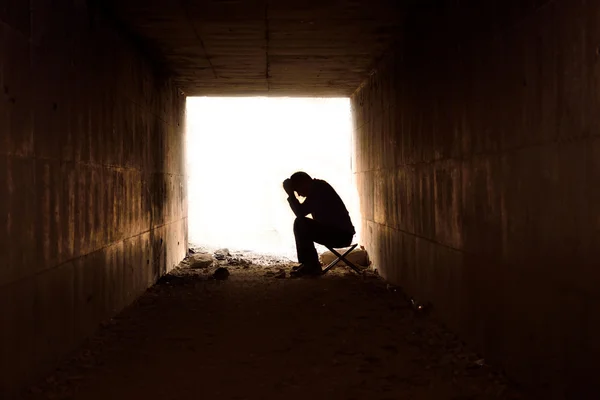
308, 231
305, 231
333, 238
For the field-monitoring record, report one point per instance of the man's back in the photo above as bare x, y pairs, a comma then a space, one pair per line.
327, 207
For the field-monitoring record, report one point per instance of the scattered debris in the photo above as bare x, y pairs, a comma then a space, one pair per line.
221, 274
281, 274
191, 251
200, 261
222, 254
238, 261
420, 308
241, 258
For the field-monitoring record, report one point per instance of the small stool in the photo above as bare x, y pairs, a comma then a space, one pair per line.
341, 257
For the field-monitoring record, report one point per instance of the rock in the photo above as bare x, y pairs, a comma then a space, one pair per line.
271, 274
280, 274
238, 261
358, 257
420, 308
221, 274
221, 254
200, 261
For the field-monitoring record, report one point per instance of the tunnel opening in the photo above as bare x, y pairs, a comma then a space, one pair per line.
239, 151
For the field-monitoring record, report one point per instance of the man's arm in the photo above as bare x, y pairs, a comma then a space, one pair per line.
300, 209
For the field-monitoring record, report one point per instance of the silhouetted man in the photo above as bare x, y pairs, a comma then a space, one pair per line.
330, 224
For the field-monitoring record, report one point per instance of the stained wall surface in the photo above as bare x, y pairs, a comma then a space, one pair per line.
93, 206
478, 161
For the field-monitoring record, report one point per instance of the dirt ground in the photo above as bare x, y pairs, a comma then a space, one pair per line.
256, 336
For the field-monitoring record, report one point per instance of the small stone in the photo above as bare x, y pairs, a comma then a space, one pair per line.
221, 274
280, 275
200, 261
222, 254
238, 261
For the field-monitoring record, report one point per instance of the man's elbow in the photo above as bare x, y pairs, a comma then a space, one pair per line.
300, 213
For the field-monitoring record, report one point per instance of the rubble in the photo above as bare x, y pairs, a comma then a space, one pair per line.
200, 261
222, 254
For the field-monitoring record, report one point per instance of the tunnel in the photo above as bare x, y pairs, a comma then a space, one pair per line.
475, 135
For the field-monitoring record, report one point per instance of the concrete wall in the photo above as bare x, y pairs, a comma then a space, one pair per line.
93, 206
478, 162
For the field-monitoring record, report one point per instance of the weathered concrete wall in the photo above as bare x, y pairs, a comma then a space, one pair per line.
478, 161
93, 206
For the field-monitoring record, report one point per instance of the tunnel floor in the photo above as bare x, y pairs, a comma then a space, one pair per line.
341, 336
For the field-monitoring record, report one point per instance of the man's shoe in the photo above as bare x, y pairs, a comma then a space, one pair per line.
300, 267
298, 271
315, 270
307, 269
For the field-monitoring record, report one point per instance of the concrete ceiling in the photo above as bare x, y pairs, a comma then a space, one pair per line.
265, 47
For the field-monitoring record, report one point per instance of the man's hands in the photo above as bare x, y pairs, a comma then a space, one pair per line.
287, 186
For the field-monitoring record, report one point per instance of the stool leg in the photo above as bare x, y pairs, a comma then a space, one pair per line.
331, 265
354, 267
343, 257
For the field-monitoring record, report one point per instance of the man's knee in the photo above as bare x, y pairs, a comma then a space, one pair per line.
300, 224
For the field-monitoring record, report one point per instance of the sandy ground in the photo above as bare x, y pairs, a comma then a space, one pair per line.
254, 336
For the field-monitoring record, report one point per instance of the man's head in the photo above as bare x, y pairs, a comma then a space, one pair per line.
301, 183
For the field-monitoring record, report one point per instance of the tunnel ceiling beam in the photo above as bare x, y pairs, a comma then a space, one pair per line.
275, 47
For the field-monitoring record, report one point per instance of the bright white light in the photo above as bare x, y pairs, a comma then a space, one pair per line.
239, 151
